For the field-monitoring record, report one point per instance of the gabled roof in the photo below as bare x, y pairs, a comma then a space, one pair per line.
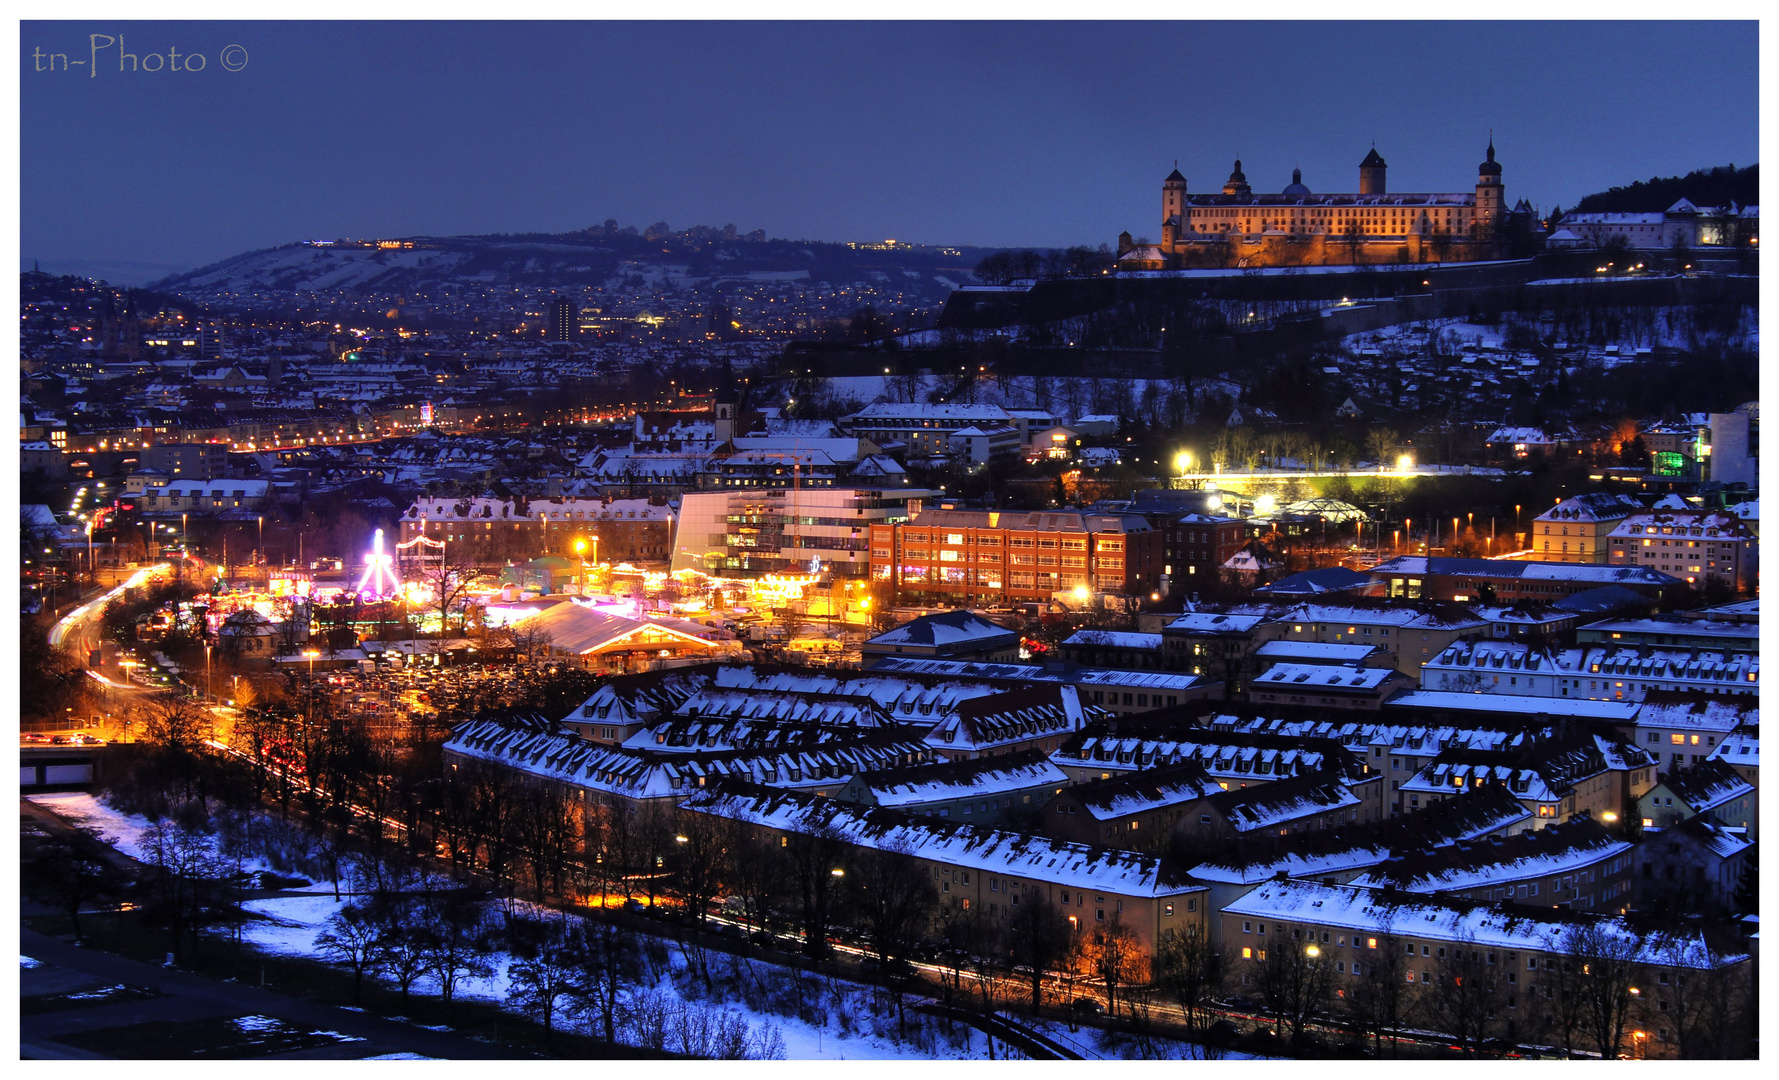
1555, 849
1265, 806
946, 628
1147, 790
996, 851
1707, 785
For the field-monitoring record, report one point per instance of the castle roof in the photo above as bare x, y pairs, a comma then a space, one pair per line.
1175, 175
1372, 160
1491, 167
1296, 187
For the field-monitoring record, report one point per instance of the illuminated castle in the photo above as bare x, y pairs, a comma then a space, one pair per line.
1296, 227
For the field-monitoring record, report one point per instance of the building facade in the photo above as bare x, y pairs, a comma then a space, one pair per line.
753, 533
1699, 548
987, 557
493, 531
1297, 227
1575, 530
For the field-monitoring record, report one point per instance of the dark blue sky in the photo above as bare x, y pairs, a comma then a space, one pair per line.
963, 133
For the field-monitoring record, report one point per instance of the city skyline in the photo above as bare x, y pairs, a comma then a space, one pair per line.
1032, 134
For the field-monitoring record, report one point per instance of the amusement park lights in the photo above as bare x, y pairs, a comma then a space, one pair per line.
379, 570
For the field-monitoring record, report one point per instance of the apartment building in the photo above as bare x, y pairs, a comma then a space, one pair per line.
983, 870
1699, 548
792, 531
968, 557
1579, 865
1575, 529
493, 531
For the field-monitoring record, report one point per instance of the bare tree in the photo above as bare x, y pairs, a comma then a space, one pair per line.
1465, 997
1559, 992
547, 962
815, 851
186, 870
701, 861
758, 873
65, 869
1116, 956
1295, 980
608, 963
1609, 968
352, 938
1040, 937
1382, 989
1186, 968
457, 941
892, 898
449, 579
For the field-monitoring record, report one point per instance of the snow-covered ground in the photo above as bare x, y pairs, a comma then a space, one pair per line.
849, 1023
125, 832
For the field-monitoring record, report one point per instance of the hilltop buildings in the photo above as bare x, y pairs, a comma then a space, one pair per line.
1298, 227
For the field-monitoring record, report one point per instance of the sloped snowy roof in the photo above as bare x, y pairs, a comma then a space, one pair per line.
946, 628
916, 785
996, 851
1115, 639
1487, 925
1147, 790
1556, 849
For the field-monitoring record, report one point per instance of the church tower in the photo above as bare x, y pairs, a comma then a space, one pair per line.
1490, 195
1371, 174
1237, 184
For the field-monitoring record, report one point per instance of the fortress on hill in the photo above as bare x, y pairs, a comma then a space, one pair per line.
1298, 227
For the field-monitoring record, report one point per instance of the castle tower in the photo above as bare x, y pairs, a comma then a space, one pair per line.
1371, 174
1237, 184
1491, 196
1173, 195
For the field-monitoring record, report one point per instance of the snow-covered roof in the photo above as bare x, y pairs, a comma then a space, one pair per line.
1488, 925
783, 706
994, 851
1017, 716
1115, 639
1324, 678
1538, 853
1268, 806
1696, 712
1150, 789
1084, 676
1738, 748
534, 745
1707, 785
1328, 652
890, 411
1422, 565
946, 628
1210, 622
918, 785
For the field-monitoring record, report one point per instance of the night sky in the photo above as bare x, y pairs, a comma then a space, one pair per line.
958, 133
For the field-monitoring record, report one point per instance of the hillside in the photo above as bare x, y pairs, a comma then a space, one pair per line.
1704, 187
592, 257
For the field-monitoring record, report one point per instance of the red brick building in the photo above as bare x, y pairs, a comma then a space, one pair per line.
968, 557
